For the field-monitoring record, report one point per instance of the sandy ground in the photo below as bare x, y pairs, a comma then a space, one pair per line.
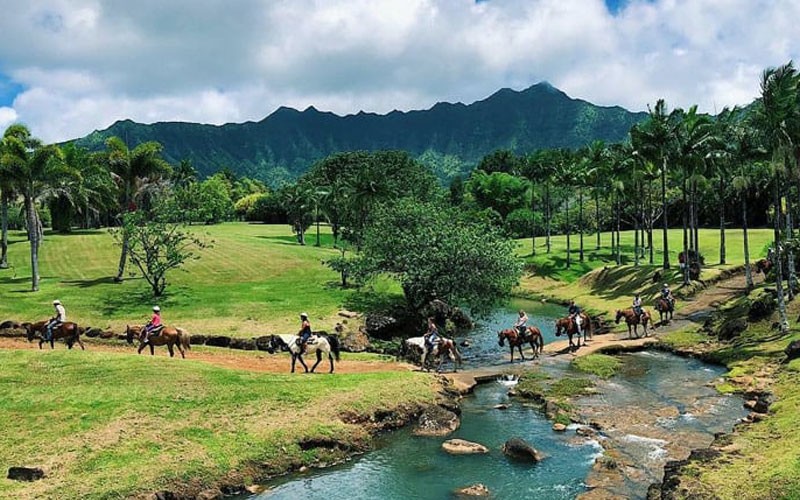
256, 361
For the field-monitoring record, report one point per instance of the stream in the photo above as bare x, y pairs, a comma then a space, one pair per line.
657, 408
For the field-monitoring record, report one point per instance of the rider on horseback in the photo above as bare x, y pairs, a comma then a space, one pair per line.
637, 306
575, 314
153, 325
305, 332
57, 320
666, 294
522, 323
432, 335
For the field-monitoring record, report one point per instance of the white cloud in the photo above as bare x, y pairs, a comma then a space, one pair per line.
86, 63
7, 117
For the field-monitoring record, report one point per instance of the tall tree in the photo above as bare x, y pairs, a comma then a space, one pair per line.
134, 170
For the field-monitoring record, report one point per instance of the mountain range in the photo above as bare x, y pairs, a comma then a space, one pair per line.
450, 137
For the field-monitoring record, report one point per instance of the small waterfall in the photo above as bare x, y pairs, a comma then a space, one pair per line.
508, 380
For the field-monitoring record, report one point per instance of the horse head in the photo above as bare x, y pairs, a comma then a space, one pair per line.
619, 316
558, 327
28, 327
129, 334
501, 337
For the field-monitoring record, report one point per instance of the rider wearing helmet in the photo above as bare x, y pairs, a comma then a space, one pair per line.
666, 294
57, 320
432, 335
153, 325
305, 332
637, 305
522, 323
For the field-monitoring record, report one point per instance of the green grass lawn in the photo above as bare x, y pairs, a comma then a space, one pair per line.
255, 279
115, 425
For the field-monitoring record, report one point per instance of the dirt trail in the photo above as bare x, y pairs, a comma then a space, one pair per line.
256, 361
694, 311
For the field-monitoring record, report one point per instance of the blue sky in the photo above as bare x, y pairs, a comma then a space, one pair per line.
70, 67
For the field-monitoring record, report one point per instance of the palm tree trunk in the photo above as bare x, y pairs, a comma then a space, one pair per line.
722, 224
123, 258
33, 233
684, 210
547, 216
619, 249
566, 213
664, 209
597, 214
4, 231
650, 224
636, 215
533, 220
748, 272
696, 222
580, 219
784, 322
790, 252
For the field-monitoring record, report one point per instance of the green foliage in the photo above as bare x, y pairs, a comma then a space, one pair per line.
499, 191
156, 246
207, 202
521, 223
602, 365
436, 252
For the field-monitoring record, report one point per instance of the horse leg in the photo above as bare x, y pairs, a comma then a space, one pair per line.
453, 359
319, 358
152, 349
511, 348
330, 359
180, 349
141, 347
294, 359
80, 342
171, 350
300, 359
521, 354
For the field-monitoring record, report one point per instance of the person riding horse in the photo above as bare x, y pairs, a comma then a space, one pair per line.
666, 294
56, 321
522, 324
432, 337
304, 333
574, 313
154, 325
637, 306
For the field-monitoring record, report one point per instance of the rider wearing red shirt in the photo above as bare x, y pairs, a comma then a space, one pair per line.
154, 323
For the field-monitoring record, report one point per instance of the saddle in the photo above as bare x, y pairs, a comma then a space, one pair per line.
155, 332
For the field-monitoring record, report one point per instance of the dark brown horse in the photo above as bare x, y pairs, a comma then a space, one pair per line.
68, 331
634, 320
665, 309
533, 337
169, 336
569, 326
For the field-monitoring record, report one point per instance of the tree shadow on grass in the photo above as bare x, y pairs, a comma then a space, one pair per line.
105, 280
370, 300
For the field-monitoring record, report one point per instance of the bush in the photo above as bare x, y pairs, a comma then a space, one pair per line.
520, 223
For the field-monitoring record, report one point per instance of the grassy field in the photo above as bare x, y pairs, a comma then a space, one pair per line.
114, 425
254, 280
612, 287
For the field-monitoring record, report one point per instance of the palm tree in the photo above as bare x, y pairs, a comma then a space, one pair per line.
774, 111
134, 171
6, 195
654, 139
597, 156
33, 167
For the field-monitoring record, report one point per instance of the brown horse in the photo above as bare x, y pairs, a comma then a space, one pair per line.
633, 319
665, 309
570, 327
168, 336
533, 337
68, 331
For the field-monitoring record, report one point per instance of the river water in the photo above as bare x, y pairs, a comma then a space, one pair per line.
658, 399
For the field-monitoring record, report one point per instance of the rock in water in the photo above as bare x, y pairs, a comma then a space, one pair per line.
463, 447
436, 421
25, 473
519, 449
475, 490
793, 350
559, 427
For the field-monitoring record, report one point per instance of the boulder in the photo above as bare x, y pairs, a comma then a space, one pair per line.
93, 332
25, 473
519, 449
585, 432
243, 344
381, 325
263, 342
107, 335
211, 494
559, 427
197, 339
792, 350
732, 329
475, 490
461, 319
436, 421
352, 341
463, 447
501, 406
762, 307
348, 314
218, 341
10, 325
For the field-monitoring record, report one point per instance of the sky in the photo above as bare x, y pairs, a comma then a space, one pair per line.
68, 67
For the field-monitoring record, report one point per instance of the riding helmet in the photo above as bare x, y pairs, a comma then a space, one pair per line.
666, 285
304, 315
56, 302
156, 308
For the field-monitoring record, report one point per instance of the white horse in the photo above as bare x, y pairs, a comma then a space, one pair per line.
444, 346
320, 344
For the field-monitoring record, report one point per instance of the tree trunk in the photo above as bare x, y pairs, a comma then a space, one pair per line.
566, 212
695, 223
533, 221
636, 214
619, 249
784, 322
580, 219
684, 210
123, 258
748, 272
650, 224
722, 249
547, 216
33, 223
4, 231
597, 214
664, 209
790, 252
317, 217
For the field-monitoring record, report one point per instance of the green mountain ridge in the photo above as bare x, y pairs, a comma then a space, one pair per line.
451, 136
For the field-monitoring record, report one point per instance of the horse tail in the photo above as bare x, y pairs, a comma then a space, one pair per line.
589, 325
184, 338
456, 353
333, 340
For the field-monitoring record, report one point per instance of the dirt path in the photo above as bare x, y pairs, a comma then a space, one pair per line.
694, 311
256, 361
